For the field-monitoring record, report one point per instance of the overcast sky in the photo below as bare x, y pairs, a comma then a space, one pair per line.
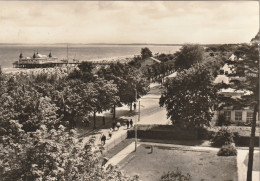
128, 22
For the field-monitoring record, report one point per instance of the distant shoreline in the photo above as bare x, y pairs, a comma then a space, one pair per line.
111, 44
120, 59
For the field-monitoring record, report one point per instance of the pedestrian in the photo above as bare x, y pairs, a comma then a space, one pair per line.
104, 122
134, 106
110, 132
131, 123
118, 125
127, 123
113, 125
103, 139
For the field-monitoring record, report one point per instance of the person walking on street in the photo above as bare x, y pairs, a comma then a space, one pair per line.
118, 125
110, 132
134, 106
113, 125
127, 123
103, 139
131, 123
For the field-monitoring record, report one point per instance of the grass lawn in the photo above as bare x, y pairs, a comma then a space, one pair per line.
200, 164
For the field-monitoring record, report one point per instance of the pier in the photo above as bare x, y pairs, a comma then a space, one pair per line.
29, 65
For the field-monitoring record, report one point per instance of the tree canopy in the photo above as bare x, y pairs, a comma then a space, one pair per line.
146, 53
36, 110
52, 155
130, 82
188, 55
190, 97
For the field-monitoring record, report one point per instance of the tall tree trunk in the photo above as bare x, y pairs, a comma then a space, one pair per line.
251, 146
114, 112
94, 119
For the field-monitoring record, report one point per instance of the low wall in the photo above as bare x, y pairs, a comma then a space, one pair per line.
244, 141
169, 132
161, 132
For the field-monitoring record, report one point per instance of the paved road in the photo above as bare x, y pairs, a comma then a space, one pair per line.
151, 112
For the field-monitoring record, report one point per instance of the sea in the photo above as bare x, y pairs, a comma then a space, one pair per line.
9, 53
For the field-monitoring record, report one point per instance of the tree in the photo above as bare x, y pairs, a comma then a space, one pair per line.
164, 57
21, 101
52, 155
146, 53
130, 82
188, 55
190, 97
136, 62
241, 51
84, 72
103, 96
247, 70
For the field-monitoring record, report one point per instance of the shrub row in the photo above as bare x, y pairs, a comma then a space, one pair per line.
161, 133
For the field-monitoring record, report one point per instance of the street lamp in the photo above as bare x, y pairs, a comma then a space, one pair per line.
139, 112
135, 123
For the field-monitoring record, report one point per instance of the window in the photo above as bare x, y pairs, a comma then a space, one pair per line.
249, 117
227, 115
238, 115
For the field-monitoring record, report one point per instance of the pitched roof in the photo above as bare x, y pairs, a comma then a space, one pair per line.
154, 59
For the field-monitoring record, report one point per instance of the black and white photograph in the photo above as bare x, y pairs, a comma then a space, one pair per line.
129, 90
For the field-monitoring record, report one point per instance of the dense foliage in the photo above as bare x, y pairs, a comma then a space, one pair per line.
188, 55
224, 136
51, 155
131, 84
146, 53
190, 97
40, 108
227, 150
175, 176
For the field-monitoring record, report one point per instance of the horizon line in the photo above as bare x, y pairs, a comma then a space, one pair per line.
166, 44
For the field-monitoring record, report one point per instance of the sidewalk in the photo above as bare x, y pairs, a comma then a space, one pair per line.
121, 155
242, 161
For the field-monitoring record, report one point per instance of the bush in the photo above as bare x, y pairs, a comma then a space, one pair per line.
223, 137
227, 150
175, 176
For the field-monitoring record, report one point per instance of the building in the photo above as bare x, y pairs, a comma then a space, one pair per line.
234, 113
37, 58
149, 61
37, 61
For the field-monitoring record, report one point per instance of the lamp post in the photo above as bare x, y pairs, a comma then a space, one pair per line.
135, 123
139, 112
135, 134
